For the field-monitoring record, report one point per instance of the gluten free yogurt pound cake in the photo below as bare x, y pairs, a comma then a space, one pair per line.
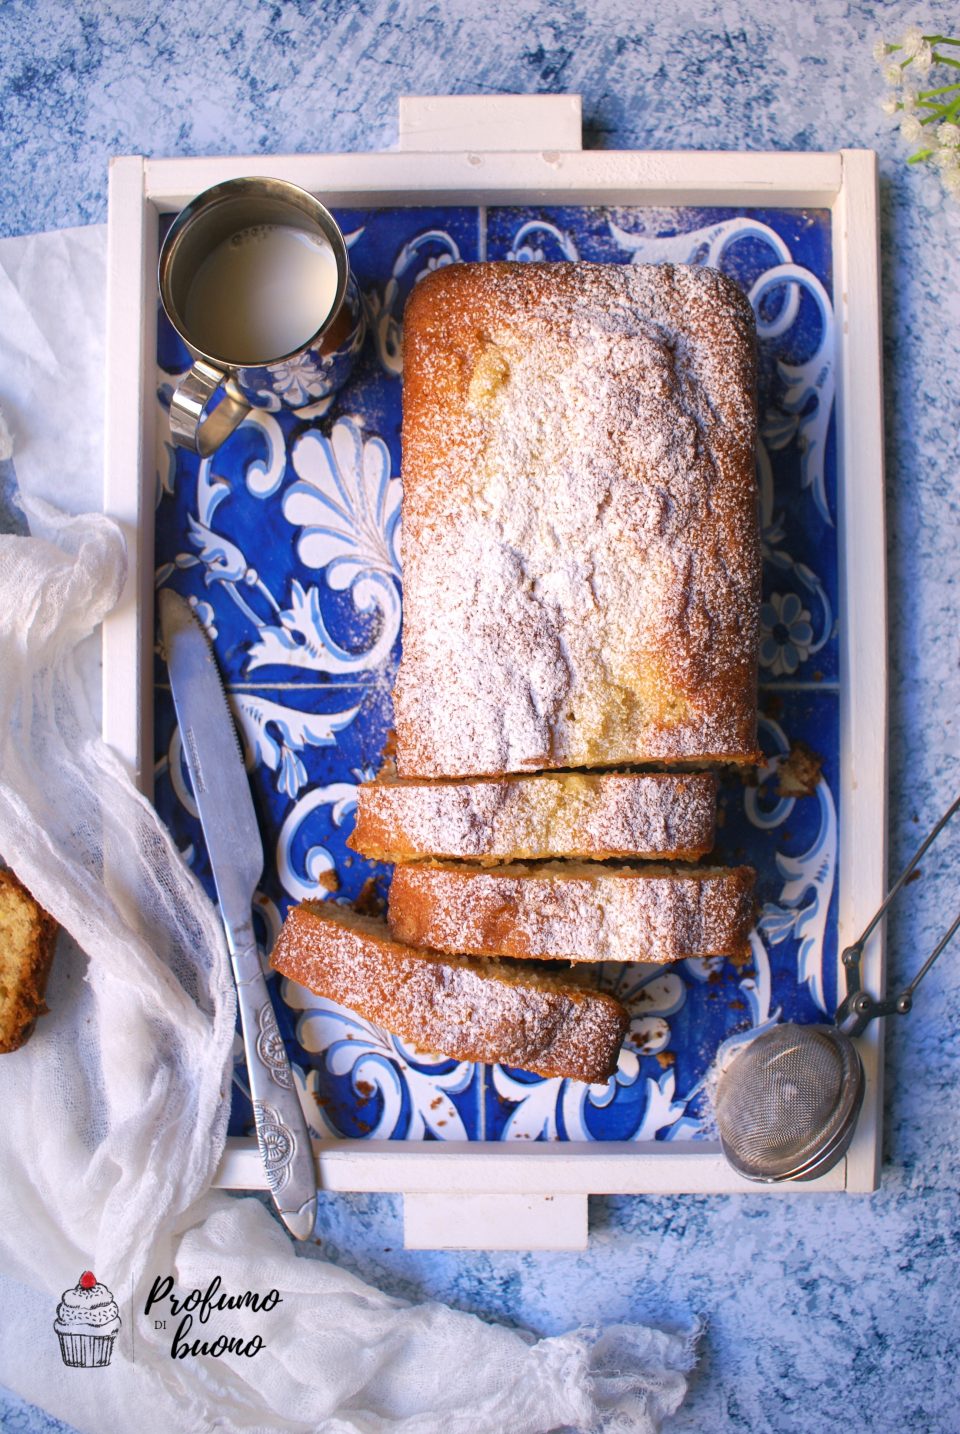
28, 936
469, 1010
574, 910
592, 815
580, 533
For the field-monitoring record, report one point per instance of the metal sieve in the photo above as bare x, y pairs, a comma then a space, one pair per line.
787, 1103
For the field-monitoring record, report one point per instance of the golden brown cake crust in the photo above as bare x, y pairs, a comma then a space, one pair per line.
574, 911
27, 939
580, 529
466, 1009
593, 815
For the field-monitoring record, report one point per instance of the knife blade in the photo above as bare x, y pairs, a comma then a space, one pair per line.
221, 788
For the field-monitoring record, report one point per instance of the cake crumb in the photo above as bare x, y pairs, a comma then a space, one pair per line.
369, 902
800, 772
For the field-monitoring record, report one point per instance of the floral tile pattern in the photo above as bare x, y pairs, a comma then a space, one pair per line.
286, 543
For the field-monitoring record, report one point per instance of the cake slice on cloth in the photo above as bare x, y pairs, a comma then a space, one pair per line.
28, 936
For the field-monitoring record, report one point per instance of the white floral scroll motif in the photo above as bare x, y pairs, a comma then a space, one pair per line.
382, 315
787, 636
301, 638
273, 735
758, 987
341, 798
380, 1065
260, 718
757, 990
314, 401
223, 560
755, 987
348, 507
763, 807
263, 476
526, 248
811, 875
319, 1125
538, 1104
295, 382
661, 1108
707, 246
812, 382
807, 403
651, 996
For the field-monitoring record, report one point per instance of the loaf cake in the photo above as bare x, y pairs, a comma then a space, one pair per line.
27, 939
466, 1009
594, 815
580, 534
573, 911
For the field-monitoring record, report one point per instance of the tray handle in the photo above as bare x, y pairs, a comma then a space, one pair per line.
494, 1222
491, 123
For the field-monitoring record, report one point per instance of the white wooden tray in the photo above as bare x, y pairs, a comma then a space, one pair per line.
465, 151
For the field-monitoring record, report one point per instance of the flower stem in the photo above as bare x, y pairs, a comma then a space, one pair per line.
943, 90
920, 154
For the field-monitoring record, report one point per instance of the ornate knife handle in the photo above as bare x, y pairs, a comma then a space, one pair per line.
281, 1128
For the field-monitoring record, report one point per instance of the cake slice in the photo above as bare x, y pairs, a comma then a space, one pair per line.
574, 911
466, 1009
581, 548
579, 814
27, 939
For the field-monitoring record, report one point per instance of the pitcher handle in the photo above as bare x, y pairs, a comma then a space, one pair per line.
190, 424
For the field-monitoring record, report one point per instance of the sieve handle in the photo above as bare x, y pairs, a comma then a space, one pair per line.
859, 1008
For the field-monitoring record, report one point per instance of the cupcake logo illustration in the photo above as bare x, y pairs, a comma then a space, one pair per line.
87, 1323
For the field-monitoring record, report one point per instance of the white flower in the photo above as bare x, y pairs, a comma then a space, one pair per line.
947, 160
911, 40
785, 634
911, 129
889, 105
951, 180
908, 100
922, 60
893, 74
879, 51
948, 134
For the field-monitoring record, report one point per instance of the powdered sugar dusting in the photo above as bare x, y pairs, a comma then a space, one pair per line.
466, 1009
574, 911
600, 815
581, 556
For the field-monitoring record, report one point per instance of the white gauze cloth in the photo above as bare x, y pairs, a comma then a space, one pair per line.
114, 1113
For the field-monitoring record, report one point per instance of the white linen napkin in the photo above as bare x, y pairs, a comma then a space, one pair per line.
114, 1113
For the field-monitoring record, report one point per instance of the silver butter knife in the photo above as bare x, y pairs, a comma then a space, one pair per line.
222, 792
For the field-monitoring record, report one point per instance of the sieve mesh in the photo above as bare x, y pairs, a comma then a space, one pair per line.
785, 1097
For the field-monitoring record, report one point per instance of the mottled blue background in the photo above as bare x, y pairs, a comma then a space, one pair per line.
821, 1313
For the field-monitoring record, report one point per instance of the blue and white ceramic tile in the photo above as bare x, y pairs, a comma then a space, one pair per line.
286, 542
